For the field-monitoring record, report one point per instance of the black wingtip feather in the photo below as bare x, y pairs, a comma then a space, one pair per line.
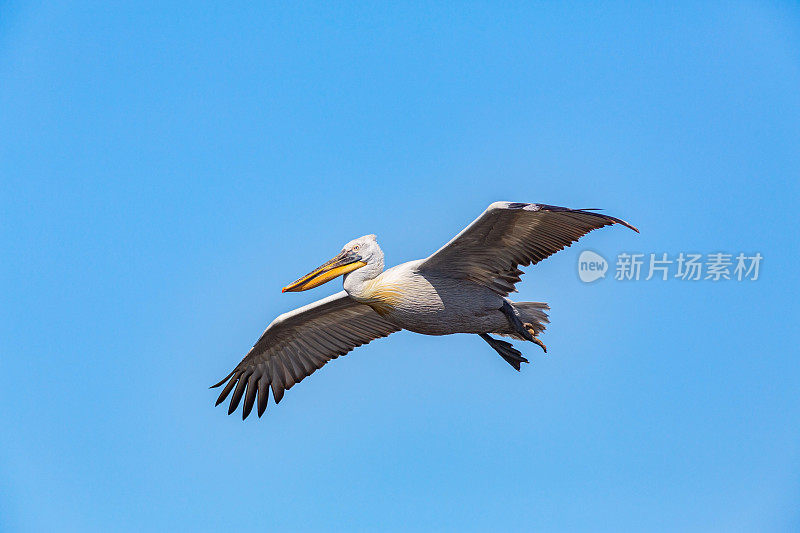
620, 221
249, 398
223, 380
589, 211
614, 220
279, 396
263, 395
226, 390
237, 394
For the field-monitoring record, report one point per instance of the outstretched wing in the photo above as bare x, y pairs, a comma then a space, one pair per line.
296, 344
509, 234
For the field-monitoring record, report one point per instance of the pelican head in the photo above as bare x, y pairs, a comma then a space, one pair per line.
356, 254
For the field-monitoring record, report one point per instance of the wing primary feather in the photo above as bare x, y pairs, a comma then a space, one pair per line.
263, 393
237, 394
250, 397
227, 389
223, 380
277, 380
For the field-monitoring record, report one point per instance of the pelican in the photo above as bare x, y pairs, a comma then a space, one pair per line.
462, 288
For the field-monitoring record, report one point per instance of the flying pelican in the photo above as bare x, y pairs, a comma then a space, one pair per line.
461, 288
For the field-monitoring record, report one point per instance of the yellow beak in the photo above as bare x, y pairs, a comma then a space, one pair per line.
341, 264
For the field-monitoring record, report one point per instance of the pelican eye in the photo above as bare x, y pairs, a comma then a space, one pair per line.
355, 248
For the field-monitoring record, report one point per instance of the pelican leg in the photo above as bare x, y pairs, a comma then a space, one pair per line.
516, 323
510, 354
536, 340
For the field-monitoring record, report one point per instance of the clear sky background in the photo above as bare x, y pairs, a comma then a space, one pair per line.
166, 169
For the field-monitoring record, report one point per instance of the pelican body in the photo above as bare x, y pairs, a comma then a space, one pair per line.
426, 301
462, 288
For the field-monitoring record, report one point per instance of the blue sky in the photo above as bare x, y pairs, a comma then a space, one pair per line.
166, 169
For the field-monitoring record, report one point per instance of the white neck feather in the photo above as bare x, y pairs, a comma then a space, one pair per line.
356, 282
